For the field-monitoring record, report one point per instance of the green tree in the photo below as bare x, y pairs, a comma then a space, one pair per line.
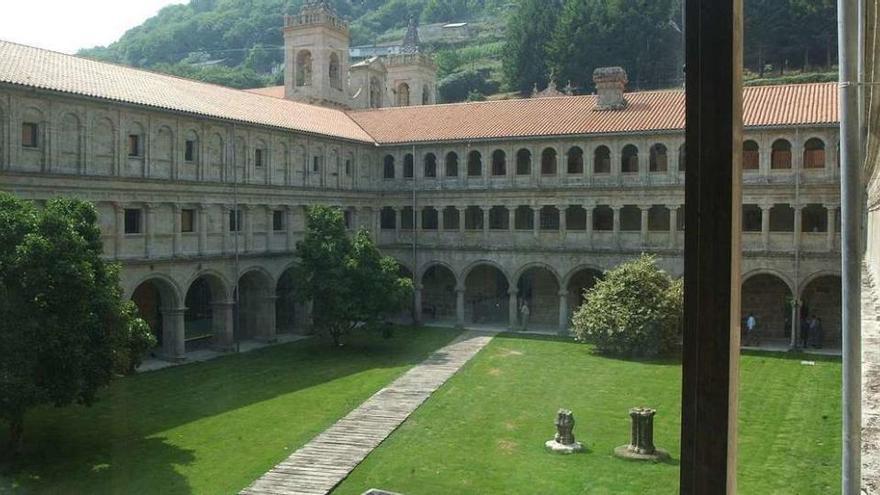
529, 29
64, 327
348, 281
635, 310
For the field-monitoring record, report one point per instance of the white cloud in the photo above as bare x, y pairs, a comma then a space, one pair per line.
68, 25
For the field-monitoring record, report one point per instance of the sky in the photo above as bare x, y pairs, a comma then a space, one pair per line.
68, 25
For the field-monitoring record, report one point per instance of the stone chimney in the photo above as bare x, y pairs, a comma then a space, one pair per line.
610, 84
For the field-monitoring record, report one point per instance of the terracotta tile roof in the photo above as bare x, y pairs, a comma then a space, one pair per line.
648, 111
34, 67
273, 91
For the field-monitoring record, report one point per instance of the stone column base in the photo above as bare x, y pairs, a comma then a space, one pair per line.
560, 448
627, 452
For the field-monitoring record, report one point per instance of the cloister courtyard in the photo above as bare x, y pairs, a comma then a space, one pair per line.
216, 426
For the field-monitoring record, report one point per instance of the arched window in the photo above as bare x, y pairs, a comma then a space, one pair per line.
335, 77
682, 158
426, 95
403, 95
780, 156
523, 162
452, 164
814, 153
375, 93
548, 162
388, 168
304, 68
751, 155
499, 163
430, 165
575, 160
602, 160
658, 161
408, 166
629, 162
475, 164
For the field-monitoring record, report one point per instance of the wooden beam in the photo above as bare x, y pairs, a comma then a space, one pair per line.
713, 198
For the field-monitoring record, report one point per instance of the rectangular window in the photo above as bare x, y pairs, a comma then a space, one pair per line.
132, 221
187, 220
348, 168
235, 217
134, 145
316, 164
278, 220
190, 153
258, 157
29, 135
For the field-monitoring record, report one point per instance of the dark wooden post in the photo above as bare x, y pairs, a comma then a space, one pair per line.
713, 55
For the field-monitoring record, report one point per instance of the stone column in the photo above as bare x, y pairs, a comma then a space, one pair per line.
589, 209
485, 210
398, 220
511, 218
831, 221
563, 310
512, 310
203, 229
417, 219
267, 330
563, 221
225, 211
673, 225
270, 225
120, 230
247, 213
615, 209
459, 307
177, 237
536, 219
461, 212
289, 242
173, 336
223, 313
765, 225
149, 229
645, 209
798, 225
417, 304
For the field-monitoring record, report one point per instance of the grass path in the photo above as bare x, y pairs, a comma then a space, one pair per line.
209, 427
484, 431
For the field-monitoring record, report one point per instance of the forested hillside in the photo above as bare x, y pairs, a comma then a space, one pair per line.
511, 45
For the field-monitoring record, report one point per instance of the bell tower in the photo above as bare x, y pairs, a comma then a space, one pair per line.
316, 61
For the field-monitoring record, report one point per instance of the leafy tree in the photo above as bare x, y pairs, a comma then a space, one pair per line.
529, 28
64, 327
348, 281
458, 86
635, 310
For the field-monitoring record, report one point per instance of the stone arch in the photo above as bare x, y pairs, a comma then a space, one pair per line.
548, 161
499, 163
821, 297
256, 309
438, 283
451, 164
751, 155
388, 167
577, 281
523, 162
403, 95
70, 143
629, 159
376, 91
216, 159
780, 155
658, 160
602, 160
682, 157
334, 71
206, 296
814, 153
303, 68
768, 296
156, 296
289, 311
426, 95
486, 289
103, 143
475, 164
430, 165
162, 155
575, 160
409, 166
538, 286
33, 157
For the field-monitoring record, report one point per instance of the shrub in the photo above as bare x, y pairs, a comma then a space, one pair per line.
635, 310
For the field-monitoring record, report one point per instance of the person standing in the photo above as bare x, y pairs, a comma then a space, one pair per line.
524, 315
751, 328
805, 331
816, 333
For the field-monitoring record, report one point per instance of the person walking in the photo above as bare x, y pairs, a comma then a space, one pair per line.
524, 316
751, 329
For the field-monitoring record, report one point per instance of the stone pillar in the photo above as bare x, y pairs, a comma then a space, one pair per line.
225, 211
589, 209
248, 227
485, 210
270, 225
289, 242
398, 220
536, 219
177, 237
563, 221
461, 212
417, 219
459, 307
203, 229
798, 225
645, 209
673, 225
563, 310
266, 318
173, 336
512, 309
765, 226
831, 221
120, 230
511, 218
149, 229
615, 209
223, 313
417, 304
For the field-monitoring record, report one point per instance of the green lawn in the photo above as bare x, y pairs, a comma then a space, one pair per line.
210, 427
484, 431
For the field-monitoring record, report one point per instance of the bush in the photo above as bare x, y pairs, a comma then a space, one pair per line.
635, 310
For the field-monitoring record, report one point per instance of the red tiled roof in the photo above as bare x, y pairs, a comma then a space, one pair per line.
273, 91
37, 68
649, 111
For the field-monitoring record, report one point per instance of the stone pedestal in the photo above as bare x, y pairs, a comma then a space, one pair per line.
564, 442
641, 446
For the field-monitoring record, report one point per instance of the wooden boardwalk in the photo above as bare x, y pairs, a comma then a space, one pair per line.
328, 458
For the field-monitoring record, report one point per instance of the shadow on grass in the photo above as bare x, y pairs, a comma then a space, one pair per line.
674, 359
790, 356
118, 442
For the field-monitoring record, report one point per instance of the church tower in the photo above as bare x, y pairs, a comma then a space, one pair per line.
412, 75
316, 61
